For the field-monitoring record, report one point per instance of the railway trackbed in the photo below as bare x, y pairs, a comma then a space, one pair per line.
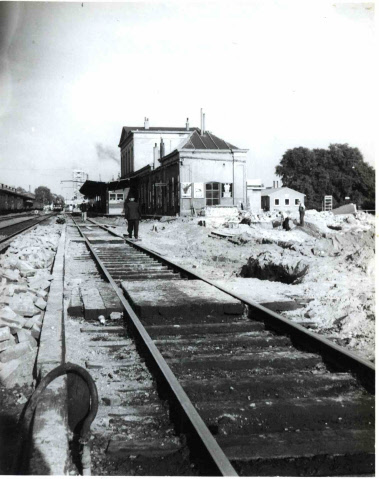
10, 228
198, 381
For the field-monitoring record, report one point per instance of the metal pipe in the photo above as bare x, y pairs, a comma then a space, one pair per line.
85, 433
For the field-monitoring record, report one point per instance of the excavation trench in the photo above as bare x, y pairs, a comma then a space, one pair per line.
274, 267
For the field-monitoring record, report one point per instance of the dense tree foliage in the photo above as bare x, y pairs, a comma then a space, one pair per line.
339, 171
43, 195
57, 199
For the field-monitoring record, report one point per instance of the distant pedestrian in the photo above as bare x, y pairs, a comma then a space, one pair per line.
302, 213
286, 224
83, 209
132, 214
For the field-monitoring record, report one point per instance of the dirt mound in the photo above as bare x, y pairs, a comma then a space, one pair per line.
275, 267
333, 267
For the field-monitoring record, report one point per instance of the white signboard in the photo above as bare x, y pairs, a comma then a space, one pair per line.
186, 190
227, 193
198, 190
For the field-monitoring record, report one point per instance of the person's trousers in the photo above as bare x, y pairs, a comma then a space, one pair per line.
301, 219
84, 215
133, 225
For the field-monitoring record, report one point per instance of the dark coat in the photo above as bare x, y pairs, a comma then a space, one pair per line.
286, 224
132, 210
83, 207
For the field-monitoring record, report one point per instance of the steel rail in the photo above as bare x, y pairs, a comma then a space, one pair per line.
338, 355
5, 242
11, 217
199, 434
22, 218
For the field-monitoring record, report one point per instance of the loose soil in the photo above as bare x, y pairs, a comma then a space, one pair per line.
337, 290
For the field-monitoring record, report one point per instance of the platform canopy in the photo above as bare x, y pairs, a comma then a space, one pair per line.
91, 189
120, 184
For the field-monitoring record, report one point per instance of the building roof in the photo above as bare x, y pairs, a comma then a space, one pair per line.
90, 189
208, 141
270, 191
13, 191
126, 130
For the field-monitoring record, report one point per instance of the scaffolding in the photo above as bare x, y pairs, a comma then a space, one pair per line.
327, 204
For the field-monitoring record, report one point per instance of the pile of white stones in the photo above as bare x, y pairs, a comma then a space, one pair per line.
25, 281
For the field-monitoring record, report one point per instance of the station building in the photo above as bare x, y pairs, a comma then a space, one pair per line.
175, 171
281, 199
12, 200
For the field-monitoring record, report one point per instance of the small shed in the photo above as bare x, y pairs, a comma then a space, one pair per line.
281, 199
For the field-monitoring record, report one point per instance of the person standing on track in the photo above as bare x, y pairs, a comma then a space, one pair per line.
83, 209
132, 214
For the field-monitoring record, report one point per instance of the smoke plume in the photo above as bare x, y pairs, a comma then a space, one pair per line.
106, 153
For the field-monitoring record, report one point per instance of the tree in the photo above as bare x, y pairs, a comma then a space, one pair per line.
43, 195
339, 171
60, 199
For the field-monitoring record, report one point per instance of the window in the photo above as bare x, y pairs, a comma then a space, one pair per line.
120, 196
277, 202
297, 201
112, 196
227, 190
287, 201
212, 193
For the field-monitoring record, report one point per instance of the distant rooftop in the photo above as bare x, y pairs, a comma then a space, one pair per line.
157, 128
208, 141
126, 130
269, 191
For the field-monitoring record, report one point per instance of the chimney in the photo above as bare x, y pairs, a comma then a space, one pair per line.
146, 123
162, 149
155, 155
187, 125
201, 121
273, 184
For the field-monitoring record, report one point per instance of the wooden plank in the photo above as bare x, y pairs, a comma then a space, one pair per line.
112, 365
110, 344
102, 329
315, 453
93, 303
143, 448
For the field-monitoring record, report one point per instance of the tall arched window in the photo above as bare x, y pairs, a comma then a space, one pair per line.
212, 193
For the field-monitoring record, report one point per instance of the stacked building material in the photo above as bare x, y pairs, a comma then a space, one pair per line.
24, 284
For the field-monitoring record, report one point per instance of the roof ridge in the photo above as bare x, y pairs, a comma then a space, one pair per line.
210, 136
205, 146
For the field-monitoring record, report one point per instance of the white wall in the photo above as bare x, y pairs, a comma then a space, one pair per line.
254, 200
281, 196
144, 143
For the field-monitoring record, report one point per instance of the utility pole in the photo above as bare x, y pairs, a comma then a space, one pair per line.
231, 151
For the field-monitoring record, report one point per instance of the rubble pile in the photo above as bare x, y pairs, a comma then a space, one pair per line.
24, 283
339, 277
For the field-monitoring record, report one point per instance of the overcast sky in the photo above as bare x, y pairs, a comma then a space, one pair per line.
270, 75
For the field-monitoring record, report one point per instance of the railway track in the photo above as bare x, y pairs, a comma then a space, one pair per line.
254, 394
18, 226
6, 217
